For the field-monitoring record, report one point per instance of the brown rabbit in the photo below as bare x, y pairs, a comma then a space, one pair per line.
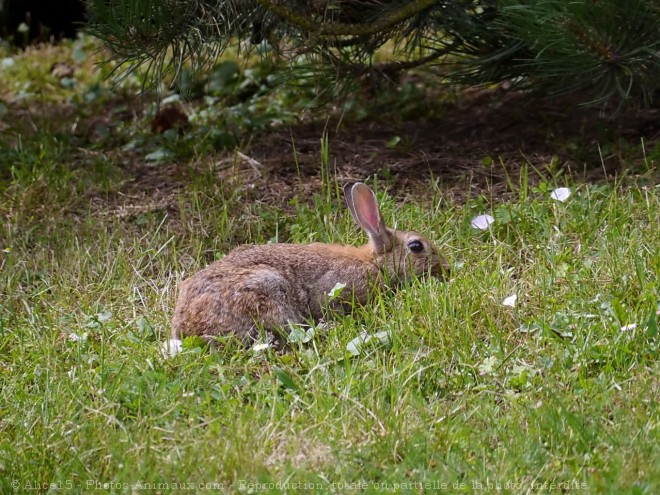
269, 286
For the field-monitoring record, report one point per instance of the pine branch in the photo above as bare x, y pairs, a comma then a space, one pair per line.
605, 48
342, 29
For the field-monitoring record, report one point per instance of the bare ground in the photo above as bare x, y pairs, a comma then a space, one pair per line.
479, 146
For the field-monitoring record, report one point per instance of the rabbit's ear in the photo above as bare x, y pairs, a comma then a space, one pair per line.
364, 207
349, 199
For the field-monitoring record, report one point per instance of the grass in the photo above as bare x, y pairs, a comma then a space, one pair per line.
558, 394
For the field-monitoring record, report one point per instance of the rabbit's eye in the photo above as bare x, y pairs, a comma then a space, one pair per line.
416, 246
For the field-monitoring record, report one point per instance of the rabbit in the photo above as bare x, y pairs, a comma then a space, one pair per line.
267, 287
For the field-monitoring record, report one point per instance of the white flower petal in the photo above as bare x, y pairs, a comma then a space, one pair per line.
561, 194
171, 348
260, 347
629, 328
510, 301
171, 99
301, 333
488, 365
355, 345
353, 348
482, 222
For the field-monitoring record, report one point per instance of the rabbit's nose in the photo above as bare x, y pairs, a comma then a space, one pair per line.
440, 267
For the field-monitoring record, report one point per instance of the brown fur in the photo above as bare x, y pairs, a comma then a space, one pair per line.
268, 286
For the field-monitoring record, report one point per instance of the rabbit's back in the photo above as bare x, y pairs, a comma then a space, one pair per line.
270, 285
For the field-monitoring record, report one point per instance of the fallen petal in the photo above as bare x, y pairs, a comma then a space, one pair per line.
510, 301
488, 365
482, 222
260, 347
74, 337
171, 348
561, 194
355, 345
383, 336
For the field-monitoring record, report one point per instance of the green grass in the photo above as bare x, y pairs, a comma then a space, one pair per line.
465, 394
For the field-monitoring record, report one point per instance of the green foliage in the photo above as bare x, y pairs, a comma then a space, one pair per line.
606, 51
438, 383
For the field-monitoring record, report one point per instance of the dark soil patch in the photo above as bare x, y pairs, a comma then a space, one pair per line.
479, 147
